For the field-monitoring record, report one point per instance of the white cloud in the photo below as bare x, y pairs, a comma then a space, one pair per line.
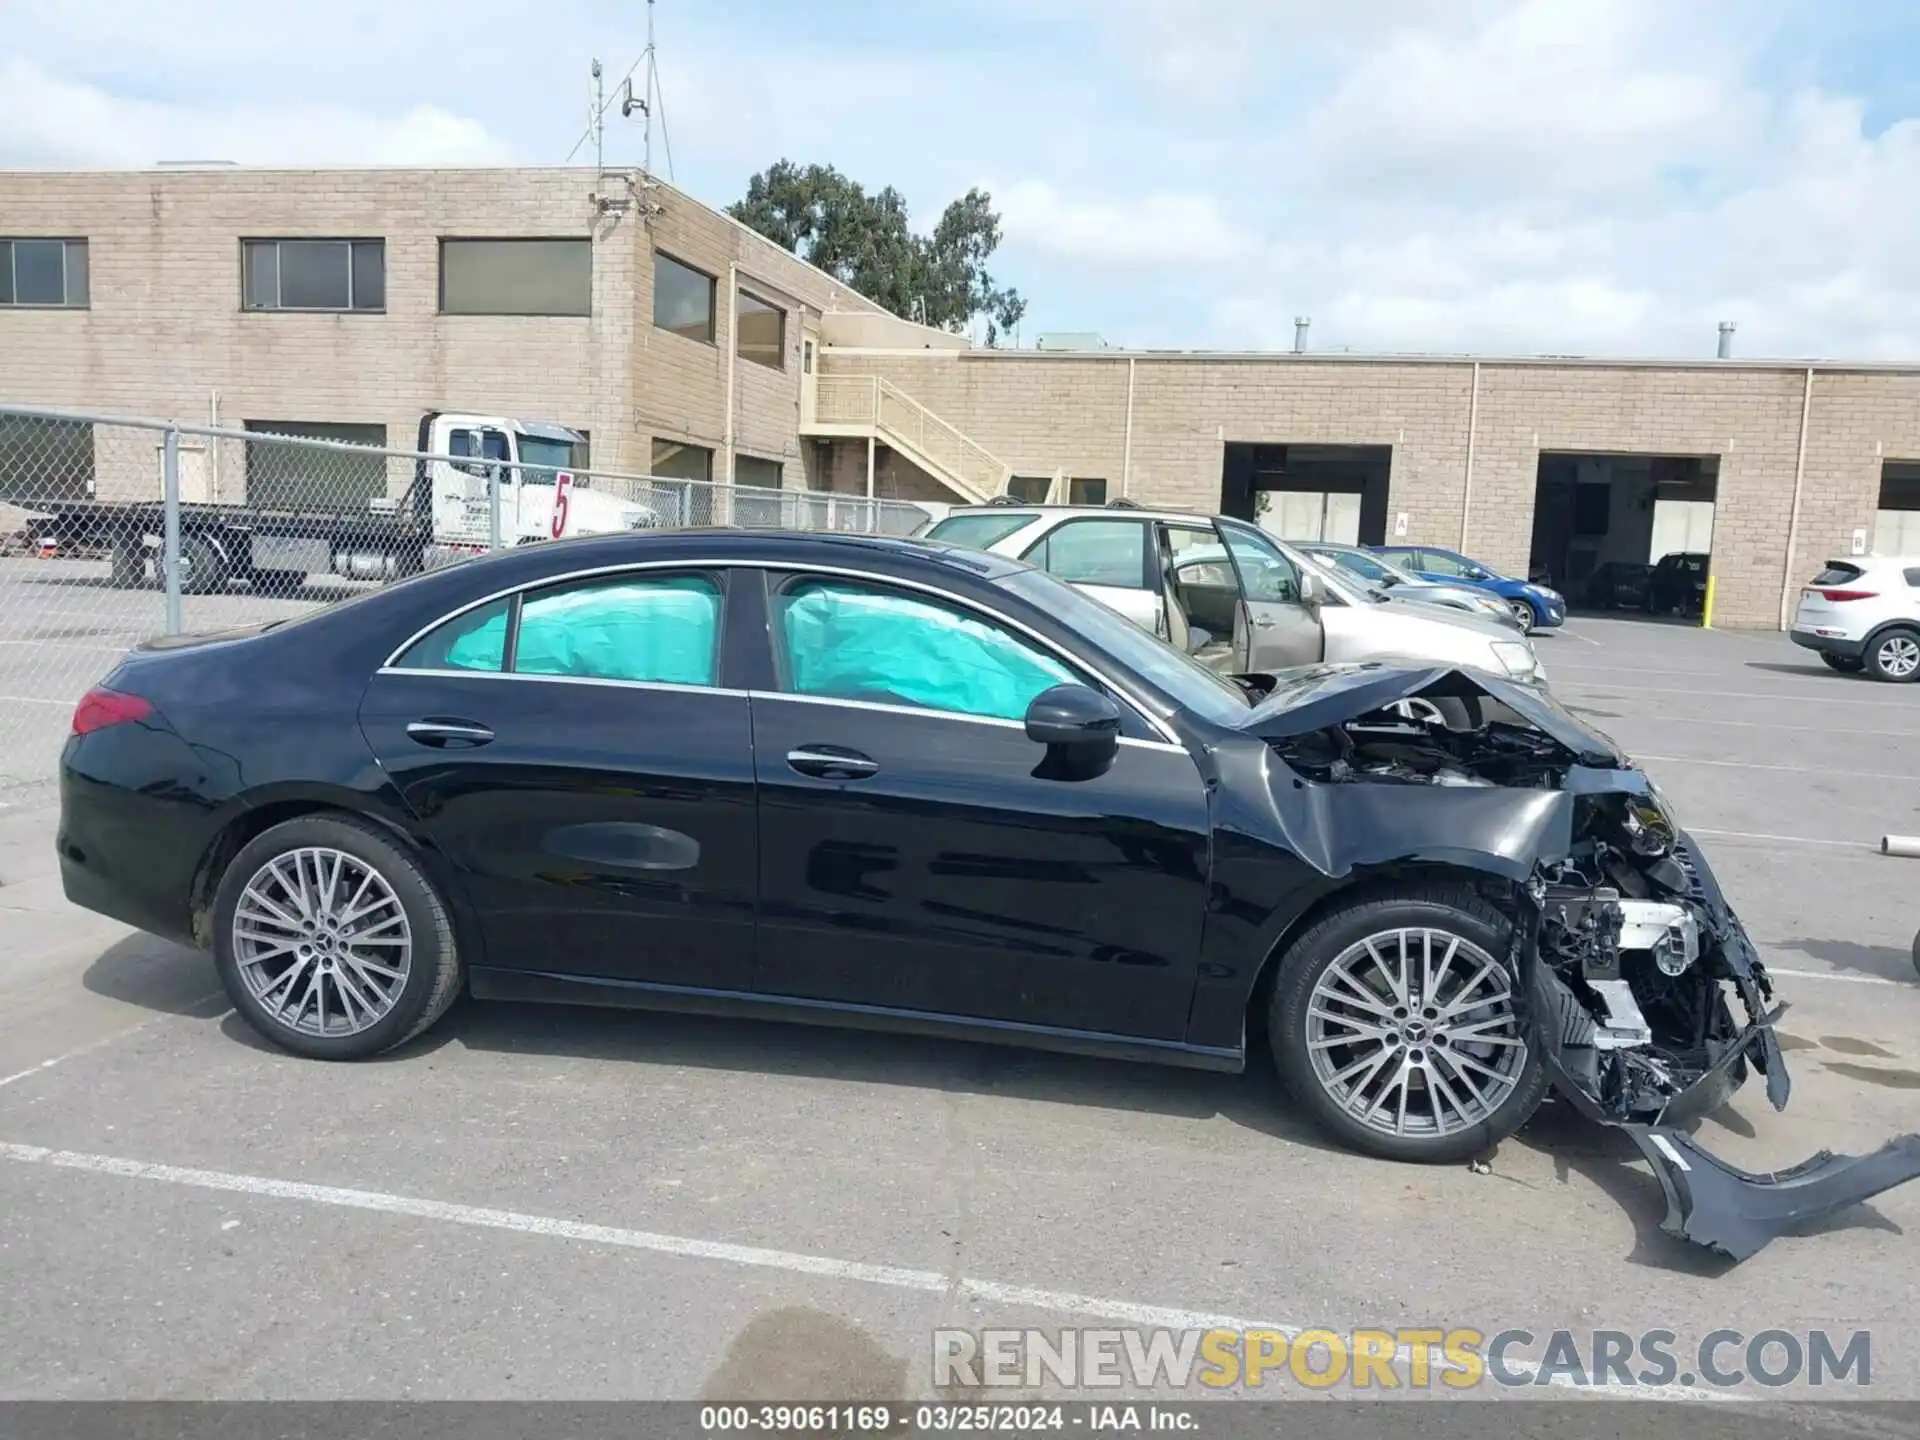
48, 120
1159, 227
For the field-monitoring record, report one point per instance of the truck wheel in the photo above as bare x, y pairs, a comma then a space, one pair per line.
129, 567
203, 566
1396, 1024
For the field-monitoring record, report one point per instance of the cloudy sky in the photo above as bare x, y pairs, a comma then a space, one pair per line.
1541, 176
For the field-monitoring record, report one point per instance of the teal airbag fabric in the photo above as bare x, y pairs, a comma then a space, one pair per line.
484, 647
861, 644
660, 630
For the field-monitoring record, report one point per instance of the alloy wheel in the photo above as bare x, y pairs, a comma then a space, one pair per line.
322, 942
1899, 656
1414, 1033
1523, 612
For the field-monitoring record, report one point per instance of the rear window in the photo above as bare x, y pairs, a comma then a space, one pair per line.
1838, 572
978, 532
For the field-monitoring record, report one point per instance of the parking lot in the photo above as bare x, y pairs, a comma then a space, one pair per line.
550, 1203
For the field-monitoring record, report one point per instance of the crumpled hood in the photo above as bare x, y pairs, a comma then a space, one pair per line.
1313, 697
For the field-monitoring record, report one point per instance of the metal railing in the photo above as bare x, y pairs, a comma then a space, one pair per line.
114, 529
910, 427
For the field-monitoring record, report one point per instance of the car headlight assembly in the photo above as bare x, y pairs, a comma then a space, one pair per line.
1515, 658
1649, 823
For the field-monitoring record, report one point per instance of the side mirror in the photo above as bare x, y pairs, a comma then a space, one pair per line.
1075, 718
1310, 591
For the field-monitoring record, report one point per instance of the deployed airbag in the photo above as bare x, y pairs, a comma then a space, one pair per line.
857, 643
664, 630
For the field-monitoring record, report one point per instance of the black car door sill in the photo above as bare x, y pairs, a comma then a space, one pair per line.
543, 986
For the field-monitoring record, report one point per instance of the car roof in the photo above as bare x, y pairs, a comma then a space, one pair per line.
1131, 512
733, 542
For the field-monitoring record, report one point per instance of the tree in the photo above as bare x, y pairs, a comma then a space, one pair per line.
865, 242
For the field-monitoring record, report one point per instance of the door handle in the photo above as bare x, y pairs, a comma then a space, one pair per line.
1265, 622
444, 734
831, 762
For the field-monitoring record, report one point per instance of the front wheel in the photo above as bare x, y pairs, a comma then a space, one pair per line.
1844, 664
332, 941
1523, 613
1895, 656
1397, 1027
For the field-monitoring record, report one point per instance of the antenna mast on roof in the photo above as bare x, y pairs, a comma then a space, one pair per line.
649, 104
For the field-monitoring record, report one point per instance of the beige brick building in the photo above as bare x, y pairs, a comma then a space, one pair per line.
354, 302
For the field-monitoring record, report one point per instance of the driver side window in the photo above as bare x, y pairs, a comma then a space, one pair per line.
844, 640
1265, 574
1434, 562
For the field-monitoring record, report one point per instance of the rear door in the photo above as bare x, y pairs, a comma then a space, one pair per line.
572, 751
1109, 558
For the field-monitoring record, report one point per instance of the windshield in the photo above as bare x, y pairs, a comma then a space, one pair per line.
977, 532
537, 451
1185, 679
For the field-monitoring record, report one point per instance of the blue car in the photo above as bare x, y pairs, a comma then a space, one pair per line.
1534, 606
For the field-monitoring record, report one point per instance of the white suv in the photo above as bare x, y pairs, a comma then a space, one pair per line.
1864, 614
1231, 595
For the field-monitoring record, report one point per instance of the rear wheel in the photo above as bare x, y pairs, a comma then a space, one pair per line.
331, 940
1895, 656
1846, 665
1395, 1024
203, 566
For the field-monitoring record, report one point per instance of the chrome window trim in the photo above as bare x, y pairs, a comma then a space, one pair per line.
387, 667
675, 685
928, 712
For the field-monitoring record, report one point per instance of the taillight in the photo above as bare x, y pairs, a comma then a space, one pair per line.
101, 707
1848, 594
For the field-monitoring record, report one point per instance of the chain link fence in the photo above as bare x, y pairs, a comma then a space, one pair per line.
115, 529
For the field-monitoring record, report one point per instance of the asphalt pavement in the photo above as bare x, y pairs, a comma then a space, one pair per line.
579, 1205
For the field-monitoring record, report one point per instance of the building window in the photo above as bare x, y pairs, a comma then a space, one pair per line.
283, 474
675, 461
752, 470
1086, 490
1030, 489
313, 274
682, 299
759, 331
516, 277
50, 273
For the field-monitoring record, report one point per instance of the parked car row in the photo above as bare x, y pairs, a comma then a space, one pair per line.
1231, 595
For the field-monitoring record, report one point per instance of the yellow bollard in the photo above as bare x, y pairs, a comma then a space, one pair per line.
1706, 605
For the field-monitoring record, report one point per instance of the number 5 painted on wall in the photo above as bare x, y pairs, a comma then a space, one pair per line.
562, 489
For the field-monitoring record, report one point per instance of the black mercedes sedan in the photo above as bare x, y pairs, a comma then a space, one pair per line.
883, 783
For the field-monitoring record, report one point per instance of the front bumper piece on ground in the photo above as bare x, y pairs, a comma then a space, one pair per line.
1711, 1203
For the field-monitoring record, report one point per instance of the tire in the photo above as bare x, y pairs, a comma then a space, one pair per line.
1508, 1094
203, 567
1843, 664
421, 950
1523, 612
129, 570
1894, 656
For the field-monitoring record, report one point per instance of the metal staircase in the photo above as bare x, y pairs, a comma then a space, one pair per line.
870, 407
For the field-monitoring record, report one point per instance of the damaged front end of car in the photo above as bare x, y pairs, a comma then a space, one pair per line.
1646, 998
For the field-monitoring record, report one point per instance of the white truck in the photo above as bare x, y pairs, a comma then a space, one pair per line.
444, 514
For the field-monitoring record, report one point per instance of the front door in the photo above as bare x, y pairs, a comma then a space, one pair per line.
1278, 628
570, 752
915, 856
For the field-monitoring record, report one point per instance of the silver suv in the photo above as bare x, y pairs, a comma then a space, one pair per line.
1864, 614
1231, 595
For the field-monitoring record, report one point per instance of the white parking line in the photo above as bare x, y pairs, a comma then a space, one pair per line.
1814, 770
1828, 730
1782, 839
933, 1282
1773, 695
34, 700
1834, 975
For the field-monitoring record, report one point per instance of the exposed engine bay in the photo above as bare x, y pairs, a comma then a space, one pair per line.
1642, 989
